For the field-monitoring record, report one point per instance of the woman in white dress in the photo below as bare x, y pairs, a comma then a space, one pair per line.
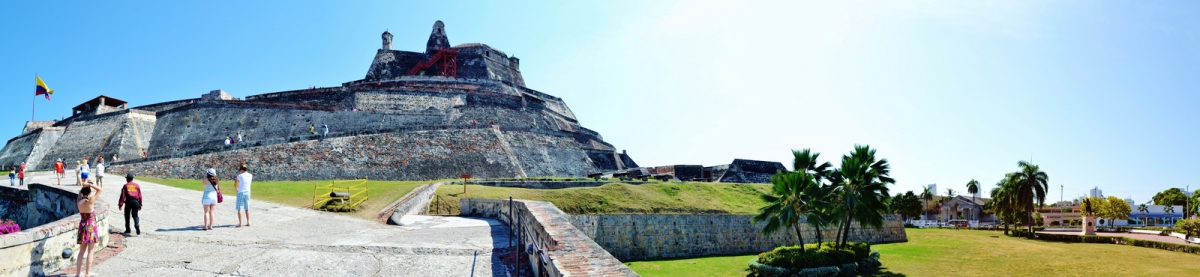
209, 199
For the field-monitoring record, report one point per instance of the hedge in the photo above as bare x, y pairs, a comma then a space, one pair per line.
823, 261
1120, 240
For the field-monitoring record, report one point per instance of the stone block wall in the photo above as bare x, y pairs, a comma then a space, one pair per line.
570, 252
647, 237
49, 220
100, 135
30, 147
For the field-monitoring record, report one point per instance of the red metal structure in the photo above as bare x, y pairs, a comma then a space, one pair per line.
446, 57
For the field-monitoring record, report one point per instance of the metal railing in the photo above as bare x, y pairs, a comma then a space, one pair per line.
349, 193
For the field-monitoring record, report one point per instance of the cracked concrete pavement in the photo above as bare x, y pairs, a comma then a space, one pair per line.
290, 241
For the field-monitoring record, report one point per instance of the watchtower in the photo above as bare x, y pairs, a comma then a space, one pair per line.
387, 40
437, 39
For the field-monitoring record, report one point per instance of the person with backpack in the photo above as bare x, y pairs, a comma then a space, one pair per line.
131, 198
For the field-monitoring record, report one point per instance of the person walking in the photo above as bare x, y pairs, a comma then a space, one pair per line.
78, 168
100, 172
58, 170
12, 176
239, 137
210, 197
21, 174
87, 234
324, 131
242, 182
312, 129
84, 168
131, 198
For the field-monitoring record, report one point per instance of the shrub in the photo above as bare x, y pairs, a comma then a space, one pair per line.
1161, 245
1077, 238
762, 270
825, 260
827, 271
849, 269
9, 227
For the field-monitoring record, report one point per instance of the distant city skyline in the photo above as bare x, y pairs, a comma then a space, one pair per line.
1097, 94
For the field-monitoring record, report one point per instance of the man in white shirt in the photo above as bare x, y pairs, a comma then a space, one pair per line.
100, 172
242, 182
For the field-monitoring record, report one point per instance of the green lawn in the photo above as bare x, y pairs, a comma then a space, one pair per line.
300, 193
932, 252
667, 198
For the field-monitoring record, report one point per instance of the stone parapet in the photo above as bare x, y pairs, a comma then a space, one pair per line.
648, 237
569, 252
50, 222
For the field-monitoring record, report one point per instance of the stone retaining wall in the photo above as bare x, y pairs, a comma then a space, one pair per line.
416, 202
550, 184
647, 237
49, 220
570, 252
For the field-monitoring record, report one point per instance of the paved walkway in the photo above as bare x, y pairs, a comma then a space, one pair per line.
289, 241
1169, 239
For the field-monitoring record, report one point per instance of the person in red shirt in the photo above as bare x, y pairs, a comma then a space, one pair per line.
131, 198
58, 170
21, 174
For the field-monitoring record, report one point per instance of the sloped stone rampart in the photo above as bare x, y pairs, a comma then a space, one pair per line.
570, 251
101, 135
30, 147
648, 237
421, 155
50, 221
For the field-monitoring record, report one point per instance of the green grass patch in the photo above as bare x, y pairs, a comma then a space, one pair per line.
618, 198
300, 193
942, 252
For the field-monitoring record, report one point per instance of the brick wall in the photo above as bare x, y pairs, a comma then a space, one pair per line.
647, 237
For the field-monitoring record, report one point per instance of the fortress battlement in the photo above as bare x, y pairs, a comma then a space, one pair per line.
464, 107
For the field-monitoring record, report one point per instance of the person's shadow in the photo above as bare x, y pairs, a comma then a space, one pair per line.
192, 228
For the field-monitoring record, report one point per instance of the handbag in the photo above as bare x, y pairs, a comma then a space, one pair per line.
220, 197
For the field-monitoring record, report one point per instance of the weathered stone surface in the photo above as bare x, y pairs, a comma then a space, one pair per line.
30, 147
647, 237
49, 220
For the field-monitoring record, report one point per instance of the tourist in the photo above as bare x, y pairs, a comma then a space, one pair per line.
85, 168
114, 158
78, 167
227, 140
209, 200
143, 154
21, 174
12, 176
100, 172
58, 170
239, 137
86, 237
131, 198
324, 131
242, 181
312, 129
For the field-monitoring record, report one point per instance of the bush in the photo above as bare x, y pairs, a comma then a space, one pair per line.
1160, 245
849, 269
1077, 238
762, 270
825, 260
828, 271
9, 227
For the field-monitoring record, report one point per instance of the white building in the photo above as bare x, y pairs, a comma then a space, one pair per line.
933, 188
1095, 192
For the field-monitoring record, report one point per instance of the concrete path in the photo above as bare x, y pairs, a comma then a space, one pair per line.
289, 241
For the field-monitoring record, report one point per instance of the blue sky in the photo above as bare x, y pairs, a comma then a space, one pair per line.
1098, 95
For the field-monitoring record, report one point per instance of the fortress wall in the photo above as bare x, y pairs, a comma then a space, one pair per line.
91, 137
158, 107
473, 63
411, 101
424, 155
648, 237
542, 155
135, 134
203, 126
30, 148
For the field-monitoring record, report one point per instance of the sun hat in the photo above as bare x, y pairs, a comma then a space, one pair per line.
212, 172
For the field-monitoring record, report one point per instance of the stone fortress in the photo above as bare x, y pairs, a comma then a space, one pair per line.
436, 114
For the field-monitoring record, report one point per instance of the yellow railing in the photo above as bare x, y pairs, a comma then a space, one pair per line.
348, 194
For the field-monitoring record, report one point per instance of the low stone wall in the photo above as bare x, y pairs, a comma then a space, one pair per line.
549, 184
414, 203
50, 222
646, 237
570, 252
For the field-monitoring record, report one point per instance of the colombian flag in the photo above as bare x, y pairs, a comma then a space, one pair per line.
42, 89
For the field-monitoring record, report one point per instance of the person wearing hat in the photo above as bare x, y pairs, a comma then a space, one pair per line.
242, 182
131, 198
209, 200
58, 170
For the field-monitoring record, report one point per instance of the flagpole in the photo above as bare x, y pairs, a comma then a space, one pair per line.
33, 110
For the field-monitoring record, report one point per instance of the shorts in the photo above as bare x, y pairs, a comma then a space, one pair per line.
243, 201
209, 198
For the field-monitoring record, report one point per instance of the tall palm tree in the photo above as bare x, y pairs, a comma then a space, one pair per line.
949, 194
806, 161
927, 196
862, 184
973, 188
1145, 211
1031, 184
1002, 202
793, 194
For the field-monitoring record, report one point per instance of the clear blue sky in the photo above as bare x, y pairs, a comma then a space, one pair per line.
1098, 95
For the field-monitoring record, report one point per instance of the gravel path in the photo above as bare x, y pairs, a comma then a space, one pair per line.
289, 241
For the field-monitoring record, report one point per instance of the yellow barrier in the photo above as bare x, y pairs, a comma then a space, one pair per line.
356, 192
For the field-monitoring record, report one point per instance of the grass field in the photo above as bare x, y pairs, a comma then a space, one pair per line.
300, 193
932, 252
690, 198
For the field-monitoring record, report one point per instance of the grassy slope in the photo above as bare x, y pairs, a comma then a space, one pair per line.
706, 198
975, 253
300, 193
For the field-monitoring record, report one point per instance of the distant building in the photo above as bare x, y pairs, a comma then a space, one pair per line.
1096, 192
933, 188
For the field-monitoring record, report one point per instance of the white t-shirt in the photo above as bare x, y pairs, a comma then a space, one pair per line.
85, 168
244, 181
99, 170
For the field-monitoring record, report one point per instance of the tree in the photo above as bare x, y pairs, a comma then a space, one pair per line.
793, 194
1114, 208
1031, 186
949, 193
1003, 202
860, 184
805, 160
1037, 219
1145, 210
927, 196
1170, 197
907, 205
973, 188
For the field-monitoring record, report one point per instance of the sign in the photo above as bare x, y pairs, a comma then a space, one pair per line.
465, 176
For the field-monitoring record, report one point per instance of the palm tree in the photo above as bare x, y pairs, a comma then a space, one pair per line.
973, 188
1145, 210
949, 194
793, 194
806, 161
927, 196
1002, 202
861, 183
1031, 186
